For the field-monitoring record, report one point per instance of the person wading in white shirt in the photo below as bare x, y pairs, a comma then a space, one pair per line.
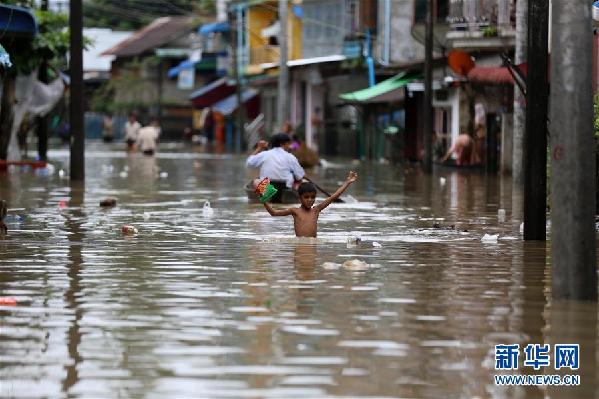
132, 127
276, 163
147, 136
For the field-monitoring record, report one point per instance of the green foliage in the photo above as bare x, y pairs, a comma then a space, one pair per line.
490, 31
51, 43
129, 90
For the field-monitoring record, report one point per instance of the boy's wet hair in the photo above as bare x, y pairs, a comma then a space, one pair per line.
279, 139
306, 187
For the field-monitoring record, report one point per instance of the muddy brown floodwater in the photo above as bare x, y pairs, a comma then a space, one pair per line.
228, 304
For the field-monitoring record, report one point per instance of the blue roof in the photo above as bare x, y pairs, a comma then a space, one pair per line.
187, 64
229, 104
17, 21
214, 27
205, 63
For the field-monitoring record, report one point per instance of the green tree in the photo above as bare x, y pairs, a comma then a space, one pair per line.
27, 54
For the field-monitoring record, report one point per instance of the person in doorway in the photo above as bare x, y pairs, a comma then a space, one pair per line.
147, 138
209, 125
463, 148
295, 142
480, 130
305, 218
276, 163
132, 127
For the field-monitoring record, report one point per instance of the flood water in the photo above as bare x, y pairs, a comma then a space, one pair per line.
230, 304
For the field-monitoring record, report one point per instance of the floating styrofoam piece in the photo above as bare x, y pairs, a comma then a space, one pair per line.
490, 238
207, 211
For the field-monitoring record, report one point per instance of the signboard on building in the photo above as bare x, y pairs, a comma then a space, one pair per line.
186, 78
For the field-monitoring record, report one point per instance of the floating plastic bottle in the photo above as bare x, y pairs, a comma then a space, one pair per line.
207, 211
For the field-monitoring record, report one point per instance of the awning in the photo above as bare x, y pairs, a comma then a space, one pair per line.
214, 27
229, 104
17, 21
205, 64
389, 90
494, 75
306, 61
211, 93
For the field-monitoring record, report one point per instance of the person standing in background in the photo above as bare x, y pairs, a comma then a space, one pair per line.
132, 127
107, 128
147, 138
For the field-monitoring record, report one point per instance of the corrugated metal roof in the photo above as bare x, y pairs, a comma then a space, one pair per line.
160, 32
385, 91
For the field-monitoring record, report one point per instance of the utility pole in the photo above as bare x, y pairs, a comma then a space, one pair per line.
42, 121
574, 268
519, 99
237, 45
535, 140
427, 109
283, 89
76, 103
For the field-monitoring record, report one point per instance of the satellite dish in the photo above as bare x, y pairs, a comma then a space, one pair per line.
460, 62
439, 35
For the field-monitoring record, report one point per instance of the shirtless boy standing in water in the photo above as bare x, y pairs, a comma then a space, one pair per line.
305, 217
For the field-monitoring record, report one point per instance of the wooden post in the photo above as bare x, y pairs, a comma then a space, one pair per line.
42, 121
237, 44
76, 105
519, 99
535, 141
573, 237
427, 109
283, 88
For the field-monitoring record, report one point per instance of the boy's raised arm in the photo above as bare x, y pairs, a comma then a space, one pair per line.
351, 177
276, 212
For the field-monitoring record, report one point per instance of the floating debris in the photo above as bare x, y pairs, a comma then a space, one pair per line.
331, 266
108, 202
353, 240
207, 211
8, 301
376, 244
129, 230
490, 238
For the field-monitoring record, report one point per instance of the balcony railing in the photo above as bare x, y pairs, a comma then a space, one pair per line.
475, 15
264, 54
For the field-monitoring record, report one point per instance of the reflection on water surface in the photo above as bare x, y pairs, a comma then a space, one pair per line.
232, 305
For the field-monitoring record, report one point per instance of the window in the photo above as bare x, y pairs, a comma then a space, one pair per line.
440, 11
